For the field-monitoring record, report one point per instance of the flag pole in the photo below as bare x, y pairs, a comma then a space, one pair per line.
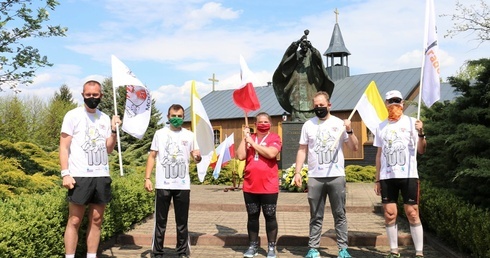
420, 88
353, 111
422, 68
424, 55
117, 132
337, 139
246, 118
193, 113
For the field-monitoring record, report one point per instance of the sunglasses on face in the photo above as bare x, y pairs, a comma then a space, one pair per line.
395, 100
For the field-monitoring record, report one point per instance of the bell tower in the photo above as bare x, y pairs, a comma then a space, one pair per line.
337, 55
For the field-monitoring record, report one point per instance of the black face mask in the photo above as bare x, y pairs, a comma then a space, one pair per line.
92, 102
321, 112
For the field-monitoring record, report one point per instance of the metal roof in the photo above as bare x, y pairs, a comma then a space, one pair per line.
337, 45
219, 104
349, 90
346, 94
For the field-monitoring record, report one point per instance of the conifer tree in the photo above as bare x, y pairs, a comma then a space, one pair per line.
458, 138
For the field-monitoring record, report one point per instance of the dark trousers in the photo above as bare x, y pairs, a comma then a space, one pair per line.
181, 209
268, 203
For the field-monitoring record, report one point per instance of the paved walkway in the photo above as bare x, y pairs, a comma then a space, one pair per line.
217, 224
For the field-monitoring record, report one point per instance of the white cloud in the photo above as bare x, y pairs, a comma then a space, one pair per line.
199, 18
171, 42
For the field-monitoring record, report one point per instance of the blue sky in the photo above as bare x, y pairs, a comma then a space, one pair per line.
169, 43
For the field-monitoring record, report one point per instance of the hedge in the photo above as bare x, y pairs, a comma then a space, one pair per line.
454, 221
33, 225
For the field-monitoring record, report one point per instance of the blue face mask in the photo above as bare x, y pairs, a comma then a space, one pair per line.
176, 121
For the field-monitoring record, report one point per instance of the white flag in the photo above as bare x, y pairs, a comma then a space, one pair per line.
203, 133
226, 151
431, 84
137, 112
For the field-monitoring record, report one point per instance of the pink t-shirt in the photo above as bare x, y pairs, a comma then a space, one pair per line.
261, 174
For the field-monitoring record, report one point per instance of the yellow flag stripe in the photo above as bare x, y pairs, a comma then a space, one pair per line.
376, 101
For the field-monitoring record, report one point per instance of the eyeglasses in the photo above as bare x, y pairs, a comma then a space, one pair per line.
395, 100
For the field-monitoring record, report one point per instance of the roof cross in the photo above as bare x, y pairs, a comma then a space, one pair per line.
213, 80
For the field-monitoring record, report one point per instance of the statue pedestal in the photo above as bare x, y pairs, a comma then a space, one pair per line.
291, 132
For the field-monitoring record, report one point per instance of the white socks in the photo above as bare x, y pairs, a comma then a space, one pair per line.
418, 237
69, 255
392, 233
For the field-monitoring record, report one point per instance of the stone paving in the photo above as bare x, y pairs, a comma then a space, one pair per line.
217, 224
282, 252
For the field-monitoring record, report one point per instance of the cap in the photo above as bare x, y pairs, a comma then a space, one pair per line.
93, 78
393, 94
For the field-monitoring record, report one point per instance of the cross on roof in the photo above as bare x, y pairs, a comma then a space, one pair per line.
213, 80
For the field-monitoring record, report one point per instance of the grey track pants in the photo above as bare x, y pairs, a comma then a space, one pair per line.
318, 190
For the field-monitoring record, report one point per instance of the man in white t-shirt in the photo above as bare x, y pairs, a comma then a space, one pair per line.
397, 138
322, 138
87, 137
171, 150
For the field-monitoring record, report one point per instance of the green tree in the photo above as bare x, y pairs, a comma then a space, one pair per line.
458, 153
19, 21
474, 19
469, 72
35, 108
13, 120
64, 95
48, 135
21, 118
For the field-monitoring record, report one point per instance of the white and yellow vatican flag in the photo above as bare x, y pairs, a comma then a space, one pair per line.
203, 133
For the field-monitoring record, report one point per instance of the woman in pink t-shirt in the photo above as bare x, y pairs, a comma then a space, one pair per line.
261, 181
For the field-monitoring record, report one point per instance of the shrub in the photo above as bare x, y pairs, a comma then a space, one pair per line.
30, 157
455, 221
287, 179
32, 225
353, 173
14, 181
225, 176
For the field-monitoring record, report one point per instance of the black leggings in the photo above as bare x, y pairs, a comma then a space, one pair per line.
268, 202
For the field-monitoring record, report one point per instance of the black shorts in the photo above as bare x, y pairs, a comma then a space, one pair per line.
96, 190
409, 188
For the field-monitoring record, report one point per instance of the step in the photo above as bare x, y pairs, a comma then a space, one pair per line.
227, 227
